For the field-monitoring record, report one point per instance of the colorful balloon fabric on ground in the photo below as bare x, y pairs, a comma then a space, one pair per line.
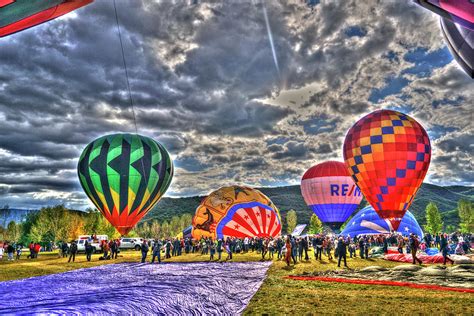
388, 154
368, 222
18, 15
236, 211
330, 192
125, 175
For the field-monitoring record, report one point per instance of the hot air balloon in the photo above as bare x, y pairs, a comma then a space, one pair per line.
18, 15
368, 222
125, 175
388, 154
236, 211
330, 192
457, 25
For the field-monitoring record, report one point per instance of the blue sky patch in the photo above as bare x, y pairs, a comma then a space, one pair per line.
189, 164
437, 103
436, 131
393, 85
318, 125
426, 61
356, 31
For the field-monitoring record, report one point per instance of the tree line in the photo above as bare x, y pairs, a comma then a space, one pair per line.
57, 223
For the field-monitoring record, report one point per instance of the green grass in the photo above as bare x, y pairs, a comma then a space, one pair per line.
280, 296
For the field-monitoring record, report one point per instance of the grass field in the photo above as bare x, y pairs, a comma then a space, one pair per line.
278, 295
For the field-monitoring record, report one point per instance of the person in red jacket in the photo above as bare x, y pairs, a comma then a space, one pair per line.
37, 249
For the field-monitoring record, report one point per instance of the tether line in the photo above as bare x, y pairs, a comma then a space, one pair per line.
126, 70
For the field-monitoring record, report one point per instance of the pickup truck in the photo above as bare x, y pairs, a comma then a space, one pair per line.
95, 241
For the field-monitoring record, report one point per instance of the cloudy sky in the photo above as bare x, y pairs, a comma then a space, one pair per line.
239, 92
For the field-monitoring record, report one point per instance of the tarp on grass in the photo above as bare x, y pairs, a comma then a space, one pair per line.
131, 288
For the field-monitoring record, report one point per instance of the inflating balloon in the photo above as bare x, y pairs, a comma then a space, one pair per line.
236, 211
18, 15
388, 154
330, 192
368, 222
125, 175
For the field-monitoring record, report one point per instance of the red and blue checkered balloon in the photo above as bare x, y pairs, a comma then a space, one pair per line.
330, 192
388, 154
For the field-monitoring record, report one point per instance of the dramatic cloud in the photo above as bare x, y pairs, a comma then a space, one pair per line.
230, 103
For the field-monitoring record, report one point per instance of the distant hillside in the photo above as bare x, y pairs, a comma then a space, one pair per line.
289, 197
13, 214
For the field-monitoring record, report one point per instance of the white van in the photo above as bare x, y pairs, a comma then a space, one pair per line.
94, 240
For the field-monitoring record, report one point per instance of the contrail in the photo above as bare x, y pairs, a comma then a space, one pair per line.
270, 38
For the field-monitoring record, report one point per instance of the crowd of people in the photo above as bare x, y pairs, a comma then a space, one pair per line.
289, 248
293, 249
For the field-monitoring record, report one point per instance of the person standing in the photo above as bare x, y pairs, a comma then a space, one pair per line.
414, 245
113, 249
64, 249
279, 246
319, 247
271, 247
288, 250
144, 249
342, 252
10, 251
264, 248
228, 248
88, 250
72, 251
168, 248
444, 247
361, 247
219, 249
19, 249
212, 249
105, 249
156, 251
294, 249
31, 247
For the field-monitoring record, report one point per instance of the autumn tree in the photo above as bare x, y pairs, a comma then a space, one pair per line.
315, 225
291, 221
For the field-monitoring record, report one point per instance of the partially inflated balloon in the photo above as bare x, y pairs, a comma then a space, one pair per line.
388, 154
330, 192
236, 211
125, 175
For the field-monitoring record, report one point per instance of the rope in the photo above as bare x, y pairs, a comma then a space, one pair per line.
125, 68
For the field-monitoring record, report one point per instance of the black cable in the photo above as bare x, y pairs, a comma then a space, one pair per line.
125, 68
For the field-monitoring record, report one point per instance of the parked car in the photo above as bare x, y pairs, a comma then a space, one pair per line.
95, 240
131, 243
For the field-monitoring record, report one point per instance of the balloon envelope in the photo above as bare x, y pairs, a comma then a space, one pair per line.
457, 24
236, 211
388, 154
125, 175
330, 192
368, 222
18, 15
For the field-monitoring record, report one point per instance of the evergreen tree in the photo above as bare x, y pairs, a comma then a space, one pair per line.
434, 222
